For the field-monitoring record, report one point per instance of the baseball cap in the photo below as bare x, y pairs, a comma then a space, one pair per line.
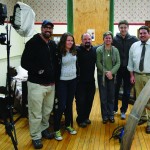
47, 22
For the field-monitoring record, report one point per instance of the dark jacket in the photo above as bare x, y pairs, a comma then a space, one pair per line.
86, 63
123, 46
37, 56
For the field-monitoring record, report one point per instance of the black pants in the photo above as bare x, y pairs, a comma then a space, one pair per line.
122, 75
107, 94
84, 100
65, 93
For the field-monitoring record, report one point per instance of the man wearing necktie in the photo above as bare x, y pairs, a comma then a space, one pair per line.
138, 65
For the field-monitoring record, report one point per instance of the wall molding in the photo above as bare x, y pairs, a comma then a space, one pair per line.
134, 23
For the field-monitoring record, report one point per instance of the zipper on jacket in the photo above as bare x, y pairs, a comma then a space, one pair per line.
50, 57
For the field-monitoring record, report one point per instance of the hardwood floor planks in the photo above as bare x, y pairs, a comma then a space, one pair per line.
94, 137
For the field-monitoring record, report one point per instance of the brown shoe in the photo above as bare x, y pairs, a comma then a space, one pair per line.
148, 129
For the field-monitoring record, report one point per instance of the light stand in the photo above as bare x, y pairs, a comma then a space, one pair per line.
9, 125
23, 21
6, 105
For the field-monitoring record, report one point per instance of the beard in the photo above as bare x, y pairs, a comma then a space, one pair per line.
87, 45
46, 36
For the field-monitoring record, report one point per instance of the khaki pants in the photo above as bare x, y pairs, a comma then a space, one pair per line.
140, 82
40, 105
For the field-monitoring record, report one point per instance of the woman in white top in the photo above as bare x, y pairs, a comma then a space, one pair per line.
66, 83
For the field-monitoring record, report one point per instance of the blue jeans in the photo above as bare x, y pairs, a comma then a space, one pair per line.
107, 93
65, 92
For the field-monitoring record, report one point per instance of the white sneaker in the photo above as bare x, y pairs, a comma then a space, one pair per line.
58, 136
115, 112
71, 130
123, 115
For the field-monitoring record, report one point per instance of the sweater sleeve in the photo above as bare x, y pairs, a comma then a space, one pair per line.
117, 64
100, 67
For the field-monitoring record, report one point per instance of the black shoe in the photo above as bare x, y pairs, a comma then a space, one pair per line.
105, 120
148, 129
87, 121
47, 135
82, 124
37, 144
141, 122
111, 119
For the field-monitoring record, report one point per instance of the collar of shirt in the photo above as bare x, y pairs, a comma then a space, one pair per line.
147, 42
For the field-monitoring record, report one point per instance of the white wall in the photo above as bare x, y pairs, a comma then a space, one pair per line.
14, 61
16, 43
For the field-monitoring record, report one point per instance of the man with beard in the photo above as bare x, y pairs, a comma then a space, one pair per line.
86, 55
138, 65
38, 59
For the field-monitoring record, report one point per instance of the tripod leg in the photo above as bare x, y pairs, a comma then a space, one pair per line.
12, 124
9, 128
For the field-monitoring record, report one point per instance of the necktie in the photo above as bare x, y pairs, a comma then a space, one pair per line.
141, 65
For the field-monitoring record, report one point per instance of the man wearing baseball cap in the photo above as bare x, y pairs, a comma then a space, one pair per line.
47, 22
38, 59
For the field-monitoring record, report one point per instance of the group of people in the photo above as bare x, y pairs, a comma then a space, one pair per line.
60, 72
66, 71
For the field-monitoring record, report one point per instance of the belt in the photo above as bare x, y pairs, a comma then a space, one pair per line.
143, 74
50, 84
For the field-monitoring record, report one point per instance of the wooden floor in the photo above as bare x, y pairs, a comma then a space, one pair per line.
94, 137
